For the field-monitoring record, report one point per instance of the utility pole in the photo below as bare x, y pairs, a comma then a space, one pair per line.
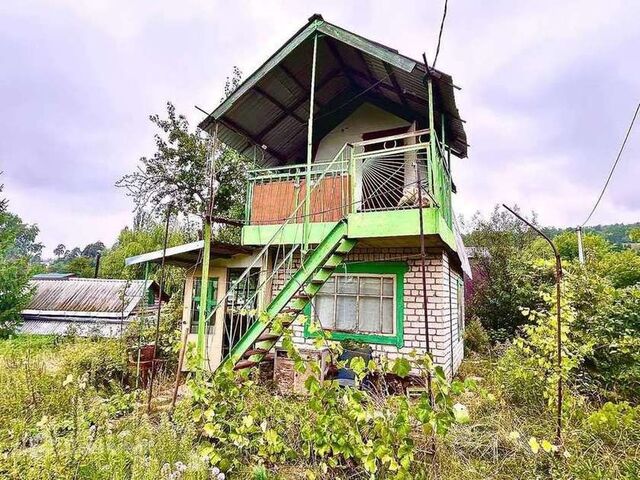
580, 250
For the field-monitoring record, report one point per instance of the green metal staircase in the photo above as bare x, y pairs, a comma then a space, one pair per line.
317, 267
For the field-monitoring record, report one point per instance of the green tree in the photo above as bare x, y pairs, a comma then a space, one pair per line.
92, 249
146, 238
16, 254
506, 276
24, 239
634, 235
60, 250
81, 266
595, 246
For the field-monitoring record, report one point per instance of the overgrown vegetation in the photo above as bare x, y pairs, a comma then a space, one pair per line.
18, 253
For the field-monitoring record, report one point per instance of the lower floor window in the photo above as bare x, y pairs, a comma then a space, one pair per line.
357, 303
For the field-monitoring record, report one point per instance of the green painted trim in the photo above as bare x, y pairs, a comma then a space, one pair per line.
356, 41
398, 269
290, 234
392, 223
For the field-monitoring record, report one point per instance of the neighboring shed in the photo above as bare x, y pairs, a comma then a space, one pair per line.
89, 306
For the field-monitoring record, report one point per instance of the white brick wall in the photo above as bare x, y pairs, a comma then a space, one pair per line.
442, 306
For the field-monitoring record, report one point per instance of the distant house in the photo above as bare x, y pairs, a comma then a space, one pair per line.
87, 306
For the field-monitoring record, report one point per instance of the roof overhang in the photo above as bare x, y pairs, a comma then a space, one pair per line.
267, 115
189, 254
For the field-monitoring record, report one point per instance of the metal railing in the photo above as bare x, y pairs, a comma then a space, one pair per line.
372, 175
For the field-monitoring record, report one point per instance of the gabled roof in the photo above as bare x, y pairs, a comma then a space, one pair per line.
267, 114
86, 297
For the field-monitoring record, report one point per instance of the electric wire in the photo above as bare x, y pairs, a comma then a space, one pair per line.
444, 16
615, 164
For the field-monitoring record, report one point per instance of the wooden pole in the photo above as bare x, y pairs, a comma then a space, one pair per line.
161, 286
146, 277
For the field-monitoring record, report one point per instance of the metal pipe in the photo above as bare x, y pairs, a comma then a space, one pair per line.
558, 327
423, 260
307, 206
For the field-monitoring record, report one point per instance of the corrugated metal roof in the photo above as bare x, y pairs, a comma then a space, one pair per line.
349, 66
53, 276
65, 326
86, 297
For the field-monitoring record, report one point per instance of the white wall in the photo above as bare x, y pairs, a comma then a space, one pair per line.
366, 118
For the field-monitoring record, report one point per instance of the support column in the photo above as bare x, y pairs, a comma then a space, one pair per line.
307, 205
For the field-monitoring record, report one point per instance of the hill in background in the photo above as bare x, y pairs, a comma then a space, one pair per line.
617, 233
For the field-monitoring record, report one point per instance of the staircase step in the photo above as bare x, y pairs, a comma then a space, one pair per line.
268, 337
316, 281
255, 351
292, 310
302, 296
242, 364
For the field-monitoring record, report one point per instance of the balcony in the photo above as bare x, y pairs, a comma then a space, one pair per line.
377, 184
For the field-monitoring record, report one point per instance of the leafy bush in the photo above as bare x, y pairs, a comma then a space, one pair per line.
104, 361
342, 431
615, 420
476, 338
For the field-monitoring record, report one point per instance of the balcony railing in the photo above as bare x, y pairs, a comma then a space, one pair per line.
374, 175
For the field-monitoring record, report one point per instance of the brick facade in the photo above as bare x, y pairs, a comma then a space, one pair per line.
442, 305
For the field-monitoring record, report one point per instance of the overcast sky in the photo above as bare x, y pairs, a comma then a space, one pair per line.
548, 89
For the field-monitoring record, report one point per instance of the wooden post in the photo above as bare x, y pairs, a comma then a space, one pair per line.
157, 334
307, 197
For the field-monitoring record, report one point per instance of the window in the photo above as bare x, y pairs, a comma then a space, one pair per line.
363, 302
357, 303
212, 295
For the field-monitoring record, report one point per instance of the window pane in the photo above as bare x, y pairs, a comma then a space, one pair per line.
387, 287
325, 310
369, 314
348, 284
329, 286
387, 315
345, 313
370, 286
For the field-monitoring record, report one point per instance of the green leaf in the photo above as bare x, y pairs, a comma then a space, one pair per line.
401, 367
547, 446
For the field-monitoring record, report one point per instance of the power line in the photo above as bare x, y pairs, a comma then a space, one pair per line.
615, 164
444, 15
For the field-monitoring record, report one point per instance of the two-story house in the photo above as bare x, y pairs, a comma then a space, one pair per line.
355, 140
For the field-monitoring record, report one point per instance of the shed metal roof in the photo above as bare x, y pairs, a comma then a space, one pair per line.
65, 325
267, 114
86, 297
